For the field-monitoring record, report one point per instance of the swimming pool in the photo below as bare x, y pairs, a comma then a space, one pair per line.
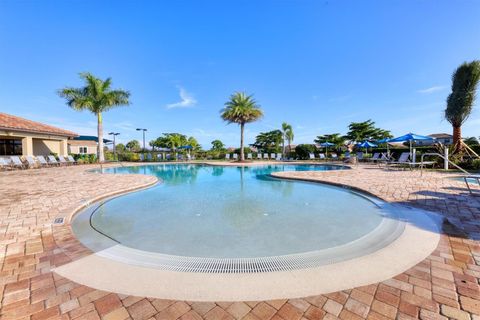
206, 218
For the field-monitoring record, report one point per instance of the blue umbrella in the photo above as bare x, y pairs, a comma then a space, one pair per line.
411, 137
366, 144
326, 145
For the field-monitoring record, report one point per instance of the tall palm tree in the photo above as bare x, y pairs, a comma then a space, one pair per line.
97, 97
241, 109
287, 131
460, 102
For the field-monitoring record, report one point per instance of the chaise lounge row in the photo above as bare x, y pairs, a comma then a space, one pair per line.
16, 162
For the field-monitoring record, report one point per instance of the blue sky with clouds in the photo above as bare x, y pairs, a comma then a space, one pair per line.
316, 64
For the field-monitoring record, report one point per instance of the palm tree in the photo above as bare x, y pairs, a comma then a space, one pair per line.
241, 109
97, 97
287, 131
460, 102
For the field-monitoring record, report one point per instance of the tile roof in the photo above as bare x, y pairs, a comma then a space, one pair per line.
14, 123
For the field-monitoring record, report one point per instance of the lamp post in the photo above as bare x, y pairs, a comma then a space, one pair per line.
114, 148
142, 129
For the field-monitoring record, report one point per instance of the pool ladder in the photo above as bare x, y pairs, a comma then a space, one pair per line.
466, 177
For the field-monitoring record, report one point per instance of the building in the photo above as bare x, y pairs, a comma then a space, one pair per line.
443, 138
19, 136
85, 145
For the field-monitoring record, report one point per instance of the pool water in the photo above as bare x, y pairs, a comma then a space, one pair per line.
232, 212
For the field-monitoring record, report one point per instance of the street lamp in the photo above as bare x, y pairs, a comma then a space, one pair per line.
141, 129
114, 148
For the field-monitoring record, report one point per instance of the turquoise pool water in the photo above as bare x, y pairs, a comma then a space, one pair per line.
231, 212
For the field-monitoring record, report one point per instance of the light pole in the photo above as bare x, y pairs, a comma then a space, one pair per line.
141, 129
114, 148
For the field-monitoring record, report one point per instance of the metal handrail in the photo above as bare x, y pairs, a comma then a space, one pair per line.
443, 157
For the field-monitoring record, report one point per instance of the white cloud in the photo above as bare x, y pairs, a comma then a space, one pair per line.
432, 89
187, 100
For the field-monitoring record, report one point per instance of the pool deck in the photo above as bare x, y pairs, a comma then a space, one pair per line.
445, 285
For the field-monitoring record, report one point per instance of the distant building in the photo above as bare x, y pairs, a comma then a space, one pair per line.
85, 145
443, 138
23, 137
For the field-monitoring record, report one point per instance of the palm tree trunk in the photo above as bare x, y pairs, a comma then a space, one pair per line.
242, 156
283, 146
457, 138
101, 158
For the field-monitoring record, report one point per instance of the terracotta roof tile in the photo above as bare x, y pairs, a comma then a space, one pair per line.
14, 123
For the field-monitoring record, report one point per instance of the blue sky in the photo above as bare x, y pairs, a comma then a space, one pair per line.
316, 64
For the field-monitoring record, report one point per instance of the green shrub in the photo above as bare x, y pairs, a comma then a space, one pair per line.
303, 150
129, 156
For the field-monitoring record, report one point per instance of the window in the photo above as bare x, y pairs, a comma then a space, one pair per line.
10, 147
82, 150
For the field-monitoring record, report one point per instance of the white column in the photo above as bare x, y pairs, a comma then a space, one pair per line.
445, 160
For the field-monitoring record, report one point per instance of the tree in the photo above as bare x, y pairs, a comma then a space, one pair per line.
133, 145
460, 101
303, 150
269, 141
191, 141
366, 130
287, 131
471, 141
241, 109
120, 147
217, 145
97, 97
335, 138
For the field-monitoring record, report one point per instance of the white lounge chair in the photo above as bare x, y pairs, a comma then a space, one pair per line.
311, 156
279, 157
141, 157
189, 157
259, 156
70, 158
249, 156
5, 163
235, 156
31, 163
265, 156
227, 156
16, 162
53, 161
62, 160
334, 156
42, 161
273, 156
321, 156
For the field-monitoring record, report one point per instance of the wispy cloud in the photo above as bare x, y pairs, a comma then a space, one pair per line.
432, 89
187, 100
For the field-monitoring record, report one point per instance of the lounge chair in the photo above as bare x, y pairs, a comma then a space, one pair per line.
235, 156
159, 156
249, 156
53, 161
16, 162
273, 156
321, 156
334, 156
279, 157
141, 157
62, 160
312, 156
227, 156
189, 157
347, 155
169, 156
404, 161
42, 161
265, 156
149, 157
259, 156
5, 163
31, 163
70, 158
359, 156
374, 158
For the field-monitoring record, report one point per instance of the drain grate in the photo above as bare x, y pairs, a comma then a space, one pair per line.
59, 220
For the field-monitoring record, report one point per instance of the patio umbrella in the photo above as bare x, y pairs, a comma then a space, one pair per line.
366, 144
411, 137
326, 145
386, 141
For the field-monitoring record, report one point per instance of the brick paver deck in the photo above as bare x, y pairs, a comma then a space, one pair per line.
445, 285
